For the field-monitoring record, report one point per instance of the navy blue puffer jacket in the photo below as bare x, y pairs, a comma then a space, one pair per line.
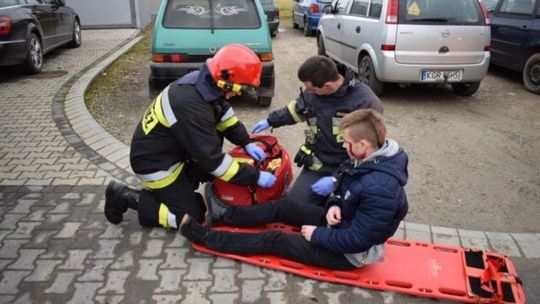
372, 201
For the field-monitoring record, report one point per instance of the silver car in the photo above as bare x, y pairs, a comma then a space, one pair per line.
409, 41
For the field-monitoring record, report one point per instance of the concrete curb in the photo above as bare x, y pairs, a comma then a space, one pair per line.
116, 154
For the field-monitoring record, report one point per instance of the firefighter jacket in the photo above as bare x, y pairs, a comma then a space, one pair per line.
323, 115
187, 123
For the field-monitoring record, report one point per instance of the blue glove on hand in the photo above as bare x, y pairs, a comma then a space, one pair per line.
261, 126
266, 180
256, 152
324, 186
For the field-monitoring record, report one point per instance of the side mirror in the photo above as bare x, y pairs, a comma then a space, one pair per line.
327, 9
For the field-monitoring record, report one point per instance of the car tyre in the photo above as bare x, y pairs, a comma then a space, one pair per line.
321, 49
307, 31
34, 55
531, 74
465, 89
366, 74
264, 101
76, 39
154, 88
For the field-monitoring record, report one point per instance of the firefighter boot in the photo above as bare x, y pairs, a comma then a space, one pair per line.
215, 208
118, 198
192, 230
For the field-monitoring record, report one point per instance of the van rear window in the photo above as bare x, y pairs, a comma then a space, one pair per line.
440, 12
217, 14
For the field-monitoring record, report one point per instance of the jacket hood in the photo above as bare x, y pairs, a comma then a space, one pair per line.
203, 82
390, 159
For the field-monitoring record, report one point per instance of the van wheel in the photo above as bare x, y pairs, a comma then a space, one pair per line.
321, 50
531, 74
154, 88
264, 101
307, 31
34, 55
465, 89
366, 74
76, 38
294, 24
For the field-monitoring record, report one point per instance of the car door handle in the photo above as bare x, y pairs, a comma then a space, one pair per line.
358, 29
339, 26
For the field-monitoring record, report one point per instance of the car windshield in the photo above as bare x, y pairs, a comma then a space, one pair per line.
267, 1
490, 4
324, 1
443, 12
216, 14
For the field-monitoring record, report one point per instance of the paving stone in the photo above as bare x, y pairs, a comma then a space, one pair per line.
529, 244
252, 290
170, 299
277, 280
170, 281
198, 269
249, 271
124, 261
195, 291
473, 239
153, 248
10, 220
10, 281
106, 248
95, 270
84, 292
69, 230
115, 282
147, 269
224, 298
175, 258
24, 230
503, 243
43, 271
10, 248
76, 259
224, 280
26, 259
62, 282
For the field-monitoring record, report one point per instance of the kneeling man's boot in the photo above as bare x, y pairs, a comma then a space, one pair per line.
118, 198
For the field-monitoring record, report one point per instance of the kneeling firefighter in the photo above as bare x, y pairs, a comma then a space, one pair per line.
178, 143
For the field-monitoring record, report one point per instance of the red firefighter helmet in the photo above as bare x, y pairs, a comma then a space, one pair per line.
235, 65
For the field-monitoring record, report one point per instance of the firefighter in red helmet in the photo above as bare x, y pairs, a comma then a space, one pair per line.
178, 143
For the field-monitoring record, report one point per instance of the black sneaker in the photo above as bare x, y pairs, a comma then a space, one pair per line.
192, 230
115, 204
215, 208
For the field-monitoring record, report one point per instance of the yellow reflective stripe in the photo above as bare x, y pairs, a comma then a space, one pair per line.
248, 161
163, 217
224, 125
306, 150
159, 112
231, 171
164, 182
315, 167
291, 107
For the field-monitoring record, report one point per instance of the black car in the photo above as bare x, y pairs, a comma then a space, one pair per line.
515, 38
31, 28
272, 15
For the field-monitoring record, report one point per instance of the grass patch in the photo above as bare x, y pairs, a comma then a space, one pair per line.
120, 71
285, 8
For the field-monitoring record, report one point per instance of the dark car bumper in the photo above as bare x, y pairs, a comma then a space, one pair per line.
165, 73
12, 52
273, 25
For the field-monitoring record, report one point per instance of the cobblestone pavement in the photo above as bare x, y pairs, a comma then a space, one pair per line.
56, 246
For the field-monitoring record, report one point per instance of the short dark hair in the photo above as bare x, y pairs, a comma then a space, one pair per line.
318, 70
365, 124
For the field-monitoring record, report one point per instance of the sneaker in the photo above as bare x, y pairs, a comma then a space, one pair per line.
192, 230
215, 208
115, 204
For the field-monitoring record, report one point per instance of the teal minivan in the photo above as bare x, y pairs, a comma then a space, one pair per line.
187, 32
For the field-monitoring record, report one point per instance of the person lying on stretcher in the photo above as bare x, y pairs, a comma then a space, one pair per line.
363, 212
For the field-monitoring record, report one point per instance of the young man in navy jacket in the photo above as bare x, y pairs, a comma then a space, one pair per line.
364, 211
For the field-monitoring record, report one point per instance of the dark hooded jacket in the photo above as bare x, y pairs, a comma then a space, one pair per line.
372, 201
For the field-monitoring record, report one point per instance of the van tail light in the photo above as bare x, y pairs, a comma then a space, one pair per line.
392, 12
5, 25
388, 47
265, 57
484, 13
169, 58
487, 48
276, 14
315, 8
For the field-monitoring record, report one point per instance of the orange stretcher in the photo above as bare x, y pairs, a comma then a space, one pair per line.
410, 267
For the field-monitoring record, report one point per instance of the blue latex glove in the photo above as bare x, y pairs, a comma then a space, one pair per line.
266, 180
324, 186
261, 126
256, 152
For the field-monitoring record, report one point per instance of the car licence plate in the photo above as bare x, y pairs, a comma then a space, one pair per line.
438, 76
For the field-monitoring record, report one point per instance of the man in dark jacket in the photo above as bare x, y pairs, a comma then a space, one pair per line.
350, 232
332, 92
178, 143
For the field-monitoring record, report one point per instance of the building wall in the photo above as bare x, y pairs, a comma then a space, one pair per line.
115, 13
